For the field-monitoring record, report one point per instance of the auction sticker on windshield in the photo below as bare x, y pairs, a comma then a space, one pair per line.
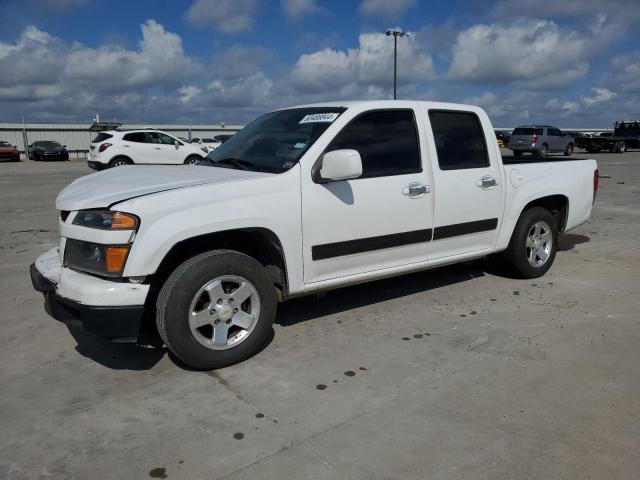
319, 118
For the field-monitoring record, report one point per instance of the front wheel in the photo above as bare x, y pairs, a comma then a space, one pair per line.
193, 160
216, 309
533, 244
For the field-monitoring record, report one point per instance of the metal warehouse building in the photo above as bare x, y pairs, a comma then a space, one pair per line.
77, 137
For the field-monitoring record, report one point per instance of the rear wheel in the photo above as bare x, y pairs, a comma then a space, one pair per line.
216, 309
544, 149
119, 162
620, 147
569, 150
533, 244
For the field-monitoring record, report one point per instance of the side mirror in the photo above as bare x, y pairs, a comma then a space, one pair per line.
64, 146
176, 143
340, 165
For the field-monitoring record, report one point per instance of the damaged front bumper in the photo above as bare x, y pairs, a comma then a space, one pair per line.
109, 309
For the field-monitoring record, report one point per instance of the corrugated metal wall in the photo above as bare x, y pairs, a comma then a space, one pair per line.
78, 137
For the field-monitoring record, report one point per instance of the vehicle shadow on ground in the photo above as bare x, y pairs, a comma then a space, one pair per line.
118, 356
340, 300
568, 241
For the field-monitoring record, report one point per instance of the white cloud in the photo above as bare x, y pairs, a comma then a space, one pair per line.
296, 9
386, 7
537, 52
624, 74
227, 16
600, 95
187, 92
371, 64
159, 60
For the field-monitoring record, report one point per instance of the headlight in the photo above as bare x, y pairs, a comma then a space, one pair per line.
106, 220
204, 150
105, 260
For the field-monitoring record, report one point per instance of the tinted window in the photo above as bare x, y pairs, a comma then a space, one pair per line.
459, 140
139, 137
161, 138
208, 140
386, 140
527, 131
4, 144
101, 137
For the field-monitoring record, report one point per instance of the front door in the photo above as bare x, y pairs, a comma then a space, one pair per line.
382, 219
468, 180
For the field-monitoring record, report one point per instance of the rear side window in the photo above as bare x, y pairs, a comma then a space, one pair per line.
387, 141
459, 140
101, 137
139, 137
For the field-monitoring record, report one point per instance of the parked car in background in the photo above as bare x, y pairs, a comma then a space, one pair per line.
210, 144
8, 152
116, 148
503, 138
626, 134
223, 137
302, 200
540, 140
47, 150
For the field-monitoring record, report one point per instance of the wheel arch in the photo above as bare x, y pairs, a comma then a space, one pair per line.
558, 206
259, 243
120, 155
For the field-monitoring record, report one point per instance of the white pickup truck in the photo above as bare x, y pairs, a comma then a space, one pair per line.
301, 200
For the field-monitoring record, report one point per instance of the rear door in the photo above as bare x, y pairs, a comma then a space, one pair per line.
138, 146
467, 183
380, 220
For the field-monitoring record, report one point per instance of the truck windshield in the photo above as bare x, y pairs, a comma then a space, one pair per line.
274, 142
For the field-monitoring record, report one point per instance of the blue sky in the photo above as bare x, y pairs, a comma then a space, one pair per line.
575, 63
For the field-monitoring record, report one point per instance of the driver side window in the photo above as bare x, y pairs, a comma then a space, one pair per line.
387, 141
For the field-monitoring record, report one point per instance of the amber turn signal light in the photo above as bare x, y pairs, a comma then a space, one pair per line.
115, 258
122, 221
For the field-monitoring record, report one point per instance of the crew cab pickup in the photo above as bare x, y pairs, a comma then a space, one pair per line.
301, 200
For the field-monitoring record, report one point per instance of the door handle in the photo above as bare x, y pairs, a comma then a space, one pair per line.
158, 148
487, 182
416, 190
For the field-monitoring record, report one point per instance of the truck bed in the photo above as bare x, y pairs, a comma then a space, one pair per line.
511, 160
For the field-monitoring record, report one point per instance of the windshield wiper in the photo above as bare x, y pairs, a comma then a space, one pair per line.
236, 162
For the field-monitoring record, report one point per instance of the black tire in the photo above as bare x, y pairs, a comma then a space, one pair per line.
174, 302
568, 150
120, 161
544, 150
620, 147
193, 160
517, 153
516, 253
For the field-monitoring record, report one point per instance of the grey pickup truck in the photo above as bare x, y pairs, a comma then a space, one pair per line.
540, 140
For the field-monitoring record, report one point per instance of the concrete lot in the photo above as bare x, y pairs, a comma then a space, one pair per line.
456, 373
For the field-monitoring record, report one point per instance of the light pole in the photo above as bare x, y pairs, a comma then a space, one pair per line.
396, 32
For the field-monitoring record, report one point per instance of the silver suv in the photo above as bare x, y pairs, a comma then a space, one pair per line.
540, 140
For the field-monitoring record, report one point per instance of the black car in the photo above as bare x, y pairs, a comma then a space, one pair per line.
48, 150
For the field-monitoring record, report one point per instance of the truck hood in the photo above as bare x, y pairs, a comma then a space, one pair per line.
102, 189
